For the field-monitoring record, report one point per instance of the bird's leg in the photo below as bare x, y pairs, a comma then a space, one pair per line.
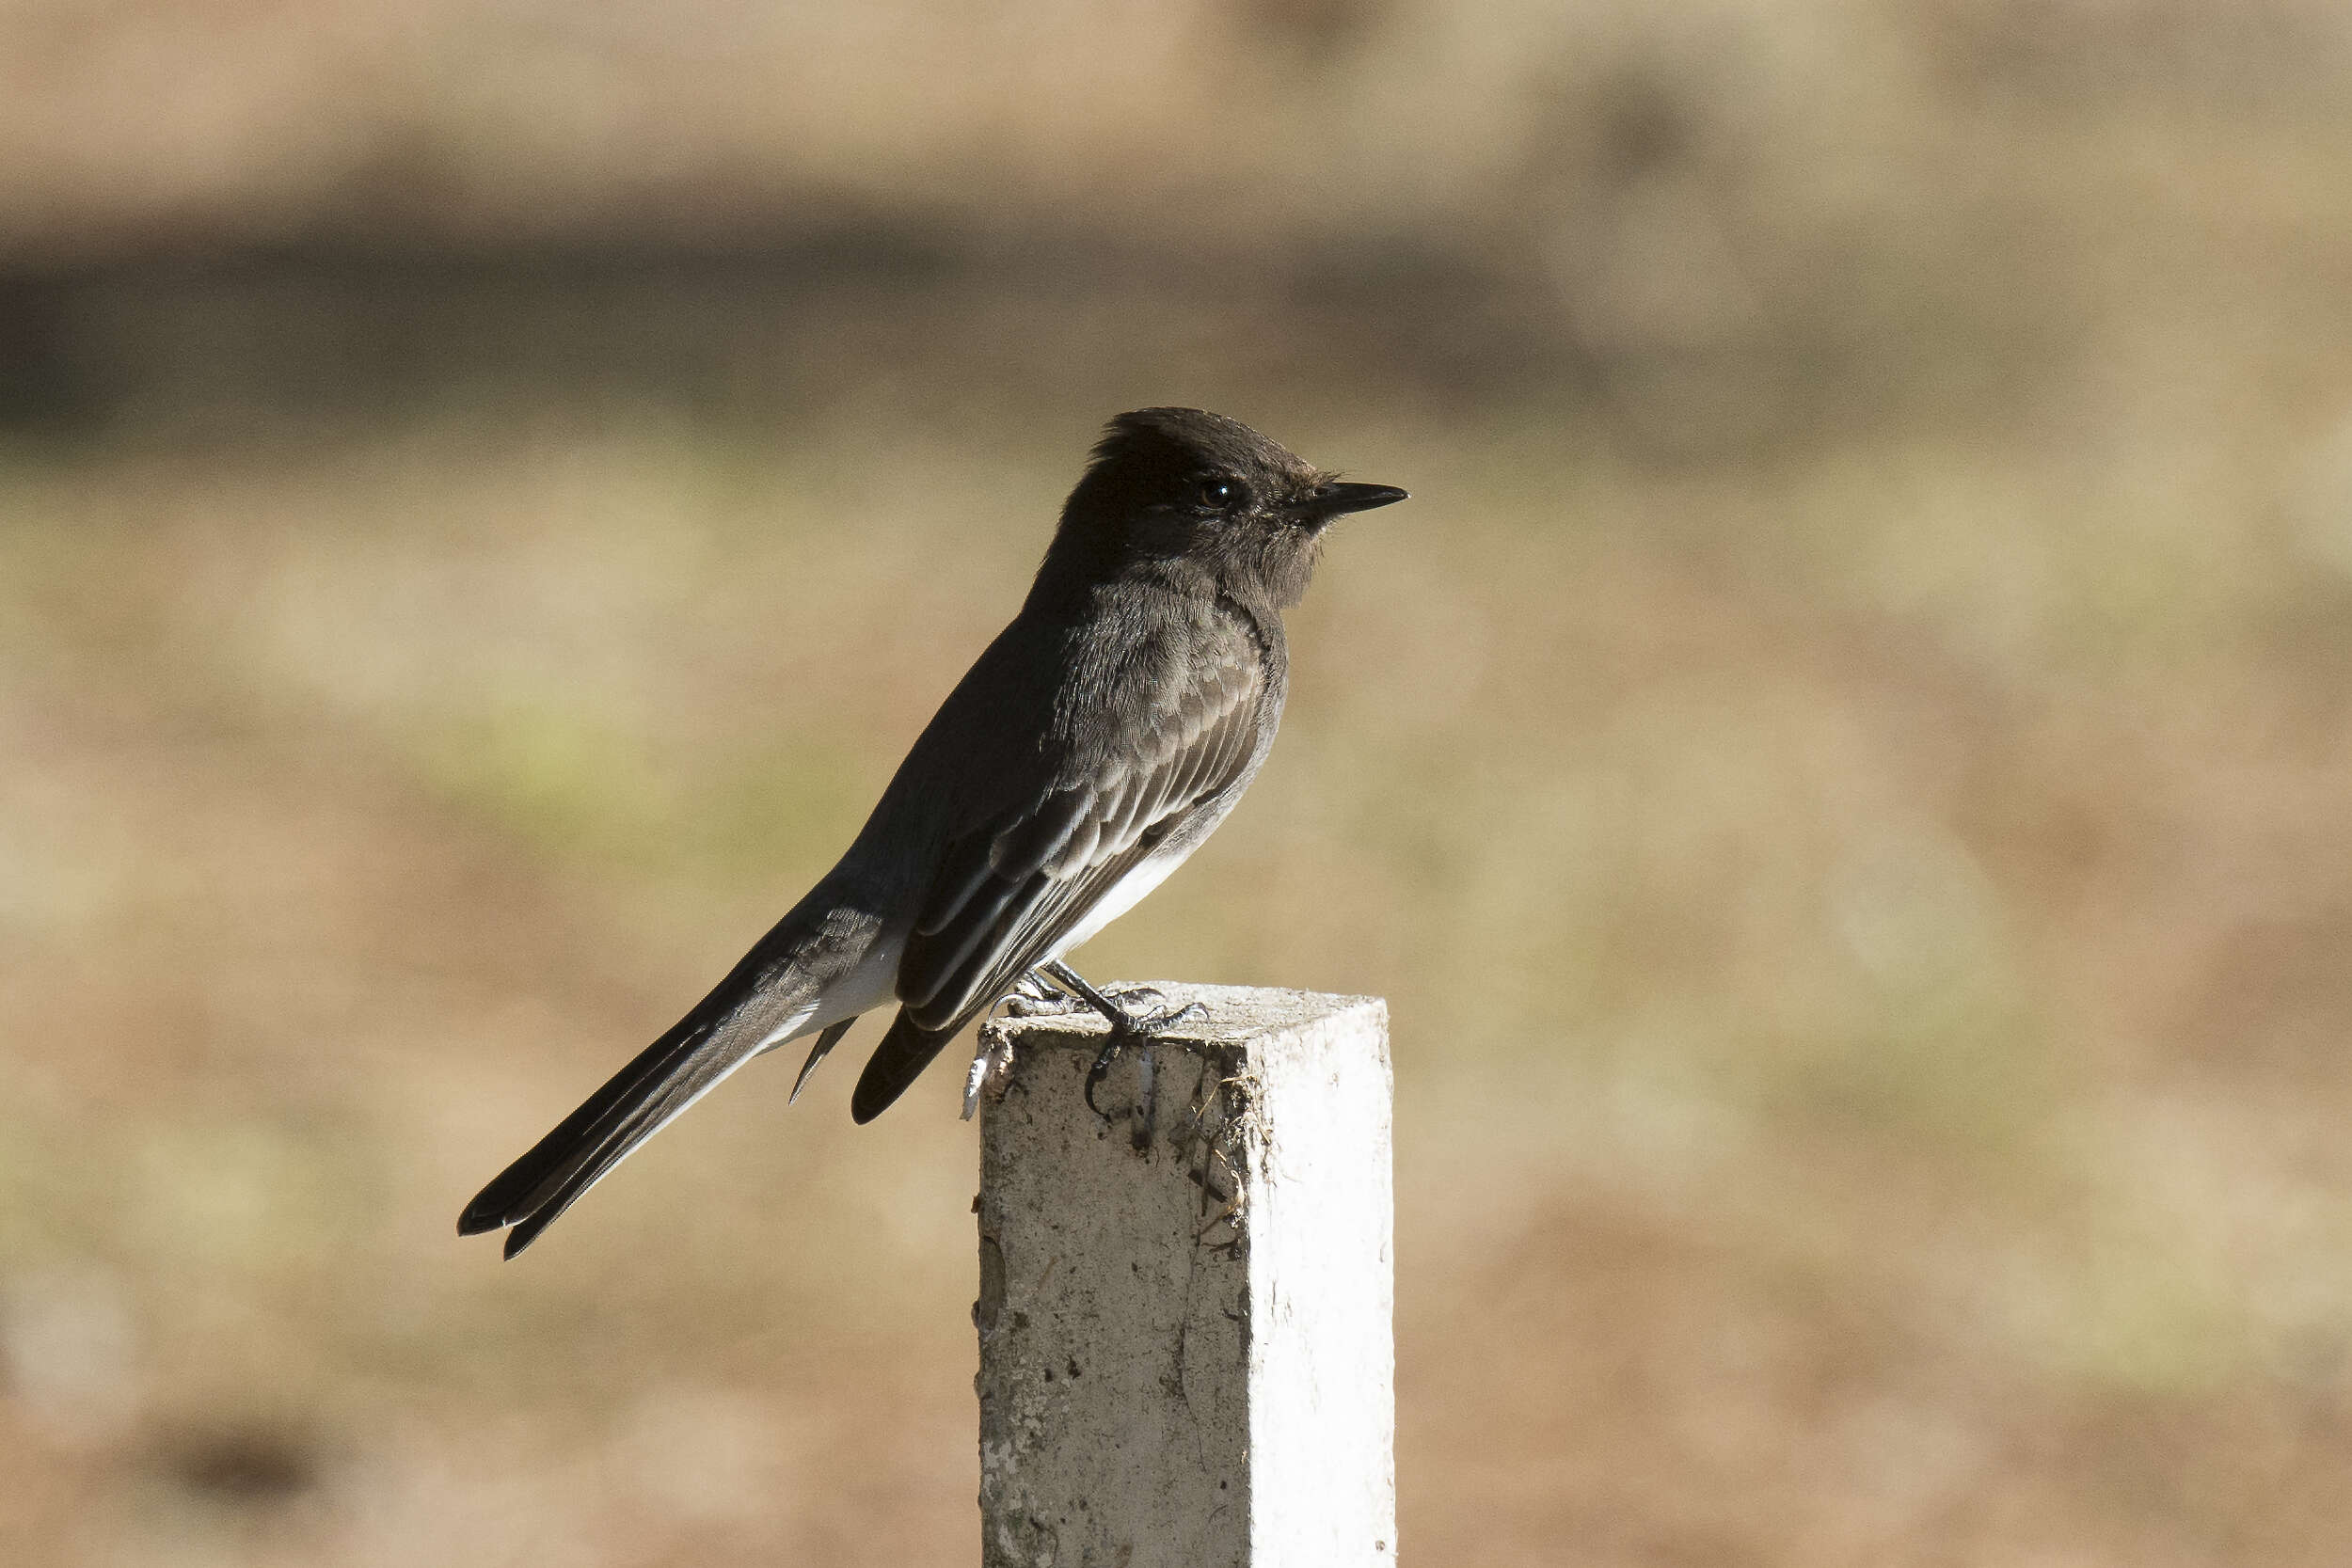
1125, 1026
1117, 1005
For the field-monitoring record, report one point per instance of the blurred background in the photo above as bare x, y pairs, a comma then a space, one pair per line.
1841, 770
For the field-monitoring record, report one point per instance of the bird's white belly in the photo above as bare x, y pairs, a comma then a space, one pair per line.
1124, 894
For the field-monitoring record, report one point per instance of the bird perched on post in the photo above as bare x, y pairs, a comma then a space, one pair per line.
1099, 740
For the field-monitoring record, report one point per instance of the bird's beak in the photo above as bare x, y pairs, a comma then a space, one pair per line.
1338, 499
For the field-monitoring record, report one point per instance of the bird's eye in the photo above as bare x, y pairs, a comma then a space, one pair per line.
1218, 494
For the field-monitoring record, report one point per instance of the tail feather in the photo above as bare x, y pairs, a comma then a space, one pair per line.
514, 1192
641, 1098
628, 1127
814, 958
698, 1054
817, 1053
896, 1062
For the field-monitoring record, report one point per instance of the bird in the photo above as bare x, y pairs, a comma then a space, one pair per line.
1093, 747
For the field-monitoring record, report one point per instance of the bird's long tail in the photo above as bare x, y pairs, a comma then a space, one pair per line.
667, 1076
772, 995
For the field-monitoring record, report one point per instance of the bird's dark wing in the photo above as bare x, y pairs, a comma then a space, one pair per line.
1015, 885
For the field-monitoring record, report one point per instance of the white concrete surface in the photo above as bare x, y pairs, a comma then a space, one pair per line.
1188, 1352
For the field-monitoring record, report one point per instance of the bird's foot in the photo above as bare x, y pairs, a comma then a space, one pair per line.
1144, 1011
1137, 1028
1128, 1026
1034, 996
1140, 1029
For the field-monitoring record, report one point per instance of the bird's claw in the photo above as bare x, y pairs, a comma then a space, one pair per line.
1135, 1002
1101, 1068
1168, 1019
1147, 1098
1141, 1029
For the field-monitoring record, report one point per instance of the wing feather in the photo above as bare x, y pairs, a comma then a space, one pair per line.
1038, 840
961, 871
1050, 864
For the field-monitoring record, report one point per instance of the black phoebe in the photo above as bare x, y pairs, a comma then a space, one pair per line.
1103, 736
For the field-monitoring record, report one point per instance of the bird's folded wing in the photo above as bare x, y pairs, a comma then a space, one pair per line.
1014, 886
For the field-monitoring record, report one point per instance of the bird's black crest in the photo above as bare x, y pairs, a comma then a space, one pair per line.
1152, 453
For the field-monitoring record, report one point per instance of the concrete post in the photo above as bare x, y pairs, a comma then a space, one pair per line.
1185, 1315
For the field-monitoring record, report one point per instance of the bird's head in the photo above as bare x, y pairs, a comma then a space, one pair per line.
1194, 497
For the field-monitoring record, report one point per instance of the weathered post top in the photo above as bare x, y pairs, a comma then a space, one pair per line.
1186, 1302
